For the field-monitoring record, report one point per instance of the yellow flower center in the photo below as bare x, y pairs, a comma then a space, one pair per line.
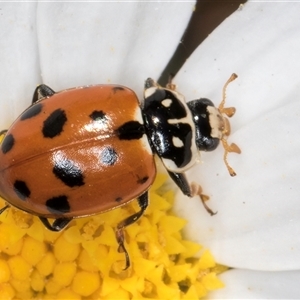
83, 262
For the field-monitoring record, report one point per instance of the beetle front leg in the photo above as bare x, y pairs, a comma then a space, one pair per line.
190, 190
57, 225
42, 91
197, 190
143, 204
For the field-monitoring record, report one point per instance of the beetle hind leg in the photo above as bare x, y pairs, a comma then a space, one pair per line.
57, 225
143, 204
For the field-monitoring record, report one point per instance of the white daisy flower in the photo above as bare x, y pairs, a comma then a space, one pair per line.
257, 226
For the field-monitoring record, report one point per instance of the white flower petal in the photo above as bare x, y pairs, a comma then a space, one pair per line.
102, 42
258, 223
19, 59
65, 44
242, 284
260, 43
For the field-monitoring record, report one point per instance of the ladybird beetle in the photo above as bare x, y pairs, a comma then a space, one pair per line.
87, 150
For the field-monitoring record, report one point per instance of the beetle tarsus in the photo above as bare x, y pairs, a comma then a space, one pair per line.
121, 249
197, 190
143, 204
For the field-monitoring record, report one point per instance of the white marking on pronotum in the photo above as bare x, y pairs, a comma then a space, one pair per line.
149, 91
166, 102
177, 142
144, 140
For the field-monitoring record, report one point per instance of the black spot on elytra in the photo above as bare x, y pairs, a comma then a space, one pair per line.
117, 89
132, 130
21, 189
142, 180
119, 199
67, 171
7, 143
58, 205
98, 115
54, 124
108, 156
32, 111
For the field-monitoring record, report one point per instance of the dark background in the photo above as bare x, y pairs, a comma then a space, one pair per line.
207, 16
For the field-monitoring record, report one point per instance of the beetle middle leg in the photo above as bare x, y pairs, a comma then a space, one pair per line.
3, 209
57, 225
190, 190
143, 204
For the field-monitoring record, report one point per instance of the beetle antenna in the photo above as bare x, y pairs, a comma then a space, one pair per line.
229, 148
229, 112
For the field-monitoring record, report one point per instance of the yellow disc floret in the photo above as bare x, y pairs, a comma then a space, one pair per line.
83, 261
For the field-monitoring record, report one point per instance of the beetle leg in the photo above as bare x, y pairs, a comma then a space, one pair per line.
57, 225
3, 132
197, 190
181, 181
190, 190
42, 91
143, 204
231, 110
3, 209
